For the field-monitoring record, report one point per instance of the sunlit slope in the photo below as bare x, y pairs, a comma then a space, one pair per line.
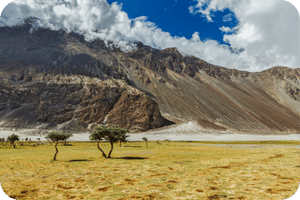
266, 101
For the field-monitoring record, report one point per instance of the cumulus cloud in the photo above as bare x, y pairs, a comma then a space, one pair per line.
93, 18
268, 30
269, 36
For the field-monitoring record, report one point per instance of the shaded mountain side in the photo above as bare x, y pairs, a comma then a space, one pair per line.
59, 78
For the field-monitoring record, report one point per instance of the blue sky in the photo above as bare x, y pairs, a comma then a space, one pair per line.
174, 17
267, 31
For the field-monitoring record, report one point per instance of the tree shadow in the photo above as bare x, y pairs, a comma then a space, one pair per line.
131, 146
78, 160
132, 158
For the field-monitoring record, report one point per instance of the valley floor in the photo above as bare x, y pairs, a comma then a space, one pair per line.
169, 170
161, 135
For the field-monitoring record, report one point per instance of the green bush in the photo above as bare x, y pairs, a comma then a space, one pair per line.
12, 139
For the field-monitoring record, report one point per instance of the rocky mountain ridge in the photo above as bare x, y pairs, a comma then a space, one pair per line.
49, 78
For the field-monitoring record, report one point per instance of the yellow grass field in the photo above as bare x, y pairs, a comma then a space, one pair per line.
170, 170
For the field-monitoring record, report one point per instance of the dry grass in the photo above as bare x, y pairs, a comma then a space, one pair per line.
172, 170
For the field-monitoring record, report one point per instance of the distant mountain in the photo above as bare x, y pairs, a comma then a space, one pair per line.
57, 79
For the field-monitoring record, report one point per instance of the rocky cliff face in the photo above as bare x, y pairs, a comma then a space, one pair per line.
55, 79
58, 100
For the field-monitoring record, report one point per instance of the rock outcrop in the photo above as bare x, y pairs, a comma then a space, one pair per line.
74, 101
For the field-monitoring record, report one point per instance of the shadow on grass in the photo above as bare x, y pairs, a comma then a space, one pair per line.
132, 146
79, 160
132, 158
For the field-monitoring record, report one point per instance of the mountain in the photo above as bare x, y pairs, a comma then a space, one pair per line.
57, 79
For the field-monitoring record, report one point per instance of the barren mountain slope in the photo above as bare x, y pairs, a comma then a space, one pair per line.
50, 78
57, 77
189, 88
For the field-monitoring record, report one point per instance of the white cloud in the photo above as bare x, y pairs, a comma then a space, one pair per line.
84, 15
227, 18
268, 30
225, 29
191, 9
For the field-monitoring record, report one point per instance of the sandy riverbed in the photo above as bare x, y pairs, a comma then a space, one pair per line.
184, 132
173, 137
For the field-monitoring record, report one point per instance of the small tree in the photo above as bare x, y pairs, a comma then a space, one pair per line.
146, 140
56, 137
123, 136
110, 134
12, 139
99, 134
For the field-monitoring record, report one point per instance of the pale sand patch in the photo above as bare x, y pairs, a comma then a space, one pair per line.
154, 136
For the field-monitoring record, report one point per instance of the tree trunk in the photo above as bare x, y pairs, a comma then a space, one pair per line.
103, 154
111, 149
13, 145
146, 144
56, 151
120, 143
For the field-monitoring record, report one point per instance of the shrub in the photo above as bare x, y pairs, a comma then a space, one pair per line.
12, 139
